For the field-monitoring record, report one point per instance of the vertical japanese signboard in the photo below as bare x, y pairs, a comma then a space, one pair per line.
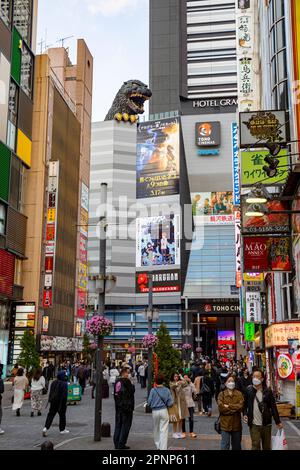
51, 229
83, 268
253, 307
235, 164
237, 222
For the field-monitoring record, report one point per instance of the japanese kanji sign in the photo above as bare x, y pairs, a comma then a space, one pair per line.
252, 172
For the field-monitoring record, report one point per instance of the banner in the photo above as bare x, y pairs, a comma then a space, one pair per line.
158, 241
267, 254
261, 127
249, 331
158, 158
252, 171
253, 307
212, 208
268, 223
163, 281
238, 258
235, 164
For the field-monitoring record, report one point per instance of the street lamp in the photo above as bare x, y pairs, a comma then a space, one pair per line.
151, 314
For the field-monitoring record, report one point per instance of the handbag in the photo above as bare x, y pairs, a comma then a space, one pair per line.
172, 410
218, 425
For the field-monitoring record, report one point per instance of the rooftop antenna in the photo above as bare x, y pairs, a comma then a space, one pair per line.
63, 40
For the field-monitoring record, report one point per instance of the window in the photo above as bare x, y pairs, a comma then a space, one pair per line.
22, 17
6, 11
18, 272
2, 219
27, 71
16, 183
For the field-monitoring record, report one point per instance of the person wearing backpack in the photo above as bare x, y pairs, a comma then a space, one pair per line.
124, 404
1, 393
160, 399
58, 397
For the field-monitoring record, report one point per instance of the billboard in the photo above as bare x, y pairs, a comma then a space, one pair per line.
208, 134
63, 344
252, 171
215, 207
264, 254
259, 127
163, 281
235, 163
269, 223
158, 241
158, 158
7, 273
226, 345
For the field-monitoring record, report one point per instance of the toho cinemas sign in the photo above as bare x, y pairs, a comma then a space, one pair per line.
219, 307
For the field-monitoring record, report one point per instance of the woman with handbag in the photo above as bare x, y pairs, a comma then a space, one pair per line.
177, 389
20, 385
160, 399
38, 385
231, 404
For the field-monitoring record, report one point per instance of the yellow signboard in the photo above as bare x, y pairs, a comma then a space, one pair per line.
51, 216
278, 334
253, 277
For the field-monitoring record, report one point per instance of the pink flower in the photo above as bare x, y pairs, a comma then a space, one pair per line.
186, 347
150, 341
99, 326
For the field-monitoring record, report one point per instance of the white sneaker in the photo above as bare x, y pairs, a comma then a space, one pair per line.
45, 432
180, 435
65, 431
177, 435
1, 431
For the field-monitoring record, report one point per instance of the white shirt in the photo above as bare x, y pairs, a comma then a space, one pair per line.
257, 416
38, 384
114, 373
141, 371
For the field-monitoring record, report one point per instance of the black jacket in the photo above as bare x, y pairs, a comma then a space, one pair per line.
1, 386
124, 395
270, 408
243, 383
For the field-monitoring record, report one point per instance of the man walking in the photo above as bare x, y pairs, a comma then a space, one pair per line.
58, 397
82, 376
260, 407
124, 403
142, 375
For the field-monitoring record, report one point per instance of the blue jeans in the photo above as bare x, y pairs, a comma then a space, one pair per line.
235, 438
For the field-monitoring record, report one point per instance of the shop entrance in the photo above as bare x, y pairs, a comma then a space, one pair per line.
217, 336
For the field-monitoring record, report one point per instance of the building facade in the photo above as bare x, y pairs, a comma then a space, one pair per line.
17, 45
56, 205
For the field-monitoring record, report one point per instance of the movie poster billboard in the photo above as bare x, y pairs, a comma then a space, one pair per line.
158, 241
158, 158
211, 208
267, 254
269, 223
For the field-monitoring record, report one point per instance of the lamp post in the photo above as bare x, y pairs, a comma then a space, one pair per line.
151, 314
101, 311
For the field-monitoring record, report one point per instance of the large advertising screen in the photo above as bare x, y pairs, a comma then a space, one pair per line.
158, 241
226, 345
215, 207
158, 158
163, 281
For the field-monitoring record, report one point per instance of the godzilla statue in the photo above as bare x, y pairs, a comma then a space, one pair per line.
129, 102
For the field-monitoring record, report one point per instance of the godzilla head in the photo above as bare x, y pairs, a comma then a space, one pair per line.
137, 93
129, 102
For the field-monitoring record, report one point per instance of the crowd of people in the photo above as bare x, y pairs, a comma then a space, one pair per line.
240, 396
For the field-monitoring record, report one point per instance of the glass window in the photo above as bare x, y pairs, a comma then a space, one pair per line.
6, 11
16, 183
279, 8
27, 71
283, 95
281, 66
280, 34
2, 219
23, 18
13, 103
11, 136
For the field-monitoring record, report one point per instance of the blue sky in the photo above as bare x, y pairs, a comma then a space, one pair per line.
116, 32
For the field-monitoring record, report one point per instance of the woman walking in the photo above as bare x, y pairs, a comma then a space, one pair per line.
113, 374
207, 390
160, 399
189, 392
177, 389
20, 385
197, 383
38, 383
231, 404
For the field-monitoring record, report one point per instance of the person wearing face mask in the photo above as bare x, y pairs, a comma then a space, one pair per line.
244, 380
260, 408
231, 404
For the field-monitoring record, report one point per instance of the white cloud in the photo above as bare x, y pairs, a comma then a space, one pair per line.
112, 7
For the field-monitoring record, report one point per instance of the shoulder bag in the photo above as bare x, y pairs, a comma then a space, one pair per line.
172, 410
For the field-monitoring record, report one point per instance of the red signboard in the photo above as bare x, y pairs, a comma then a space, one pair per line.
81, 303
163, 281
263, 254
47, 298
49, 264
50, 233
83, 249
7, 271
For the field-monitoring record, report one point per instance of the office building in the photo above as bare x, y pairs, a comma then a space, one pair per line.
18, 20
